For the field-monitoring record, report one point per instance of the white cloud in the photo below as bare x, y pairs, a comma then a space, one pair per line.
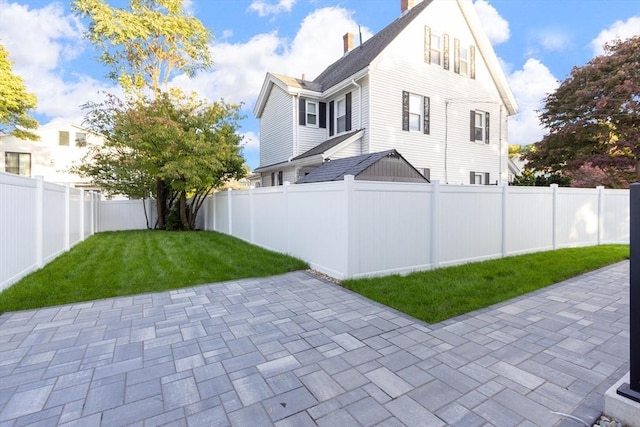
496, 27
619, 30
240, 68
40, 42
251, 142
530, 86
264, 8
553, 39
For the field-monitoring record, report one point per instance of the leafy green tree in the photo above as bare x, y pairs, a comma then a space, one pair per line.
15, 102
593, 119
143, 48
187, 143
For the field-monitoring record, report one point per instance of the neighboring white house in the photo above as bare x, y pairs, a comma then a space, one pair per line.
428, 85
60, 147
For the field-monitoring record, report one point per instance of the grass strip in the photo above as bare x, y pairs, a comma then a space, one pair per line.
436, 295
123, 263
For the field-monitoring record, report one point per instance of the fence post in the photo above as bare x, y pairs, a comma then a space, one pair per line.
39, 232
505, 201
92, 208
435, 201
82, 214
252, 225
554, 222
285, 193
632, 390
600, 189
67, 216
351, 247
230, 210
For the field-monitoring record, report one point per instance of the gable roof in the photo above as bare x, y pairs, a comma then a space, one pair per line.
361, 56
335, 170
327, 145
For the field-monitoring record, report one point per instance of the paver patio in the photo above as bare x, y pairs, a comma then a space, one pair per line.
295, 350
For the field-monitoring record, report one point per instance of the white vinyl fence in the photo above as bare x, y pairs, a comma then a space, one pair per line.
356, 229
38, 222
344, 229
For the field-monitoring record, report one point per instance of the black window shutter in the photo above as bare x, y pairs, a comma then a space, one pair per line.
302, 111
331, 118
427, 118
323, 114
473, 125
472, 177
405, 110
456, 56
486, 178
472, 60
486, 133
347, 101
427, 44
445, 48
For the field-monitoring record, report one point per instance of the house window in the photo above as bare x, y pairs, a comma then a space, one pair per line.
464, 61
81, 139
312, 114
479, 178
436, 49
415, 112
280, 178
426, 172
340, 115
479, 126
17, 163
63, 138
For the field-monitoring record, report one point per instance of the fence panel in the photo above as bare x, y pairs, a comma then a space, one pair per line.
392, 225
17, 228
577, 217
529, 225
470, 223
75, 221
615, 216
124, 215
54, 226
315, 226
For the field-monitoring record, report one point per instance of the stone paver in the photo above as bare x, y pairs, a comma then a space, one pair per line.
295, 350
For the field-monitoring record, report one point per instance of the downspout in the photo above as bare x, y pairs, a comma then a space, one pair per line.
353, 82
296, 114
446, 139
500, 146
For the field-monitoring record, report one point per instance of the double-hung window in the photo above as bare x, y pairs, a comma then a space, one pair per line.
340, 115
415, 113
17, 163
464, 61
436, 49
312, 113
481, 178
479, 129
63, 138
81, 139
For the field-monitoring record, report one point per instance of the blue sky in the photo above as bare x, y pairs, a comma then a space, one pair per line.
537, 41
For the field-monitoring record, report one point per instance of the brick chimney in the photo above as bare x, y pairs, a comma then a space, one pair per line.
405, 5
347, 42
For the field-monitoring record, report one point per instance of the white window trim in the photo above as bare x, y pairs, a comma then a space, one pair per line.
317, 116
419, 113
439, 51
337, 102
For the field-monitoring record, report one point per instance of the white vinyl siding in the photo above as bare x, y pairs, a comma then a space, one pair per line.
276, 128
451, 99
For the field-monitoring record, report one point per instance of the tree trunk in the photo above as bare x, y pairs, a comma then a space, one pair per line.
161, 203
183, 211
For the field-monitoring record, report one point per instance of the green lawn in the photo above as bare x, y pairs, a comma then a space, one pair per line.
436, 295
133, 262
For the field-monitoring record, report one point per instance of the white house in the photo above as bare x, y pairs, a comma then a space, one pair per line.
60, 147
428, 85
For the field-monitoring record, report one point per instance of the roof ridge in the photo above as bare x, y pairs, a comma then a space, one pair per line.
361, 56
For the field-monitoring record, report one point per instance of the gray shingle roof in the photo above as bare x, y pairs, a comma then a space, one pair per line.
335, 170
361, 56
327, 145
